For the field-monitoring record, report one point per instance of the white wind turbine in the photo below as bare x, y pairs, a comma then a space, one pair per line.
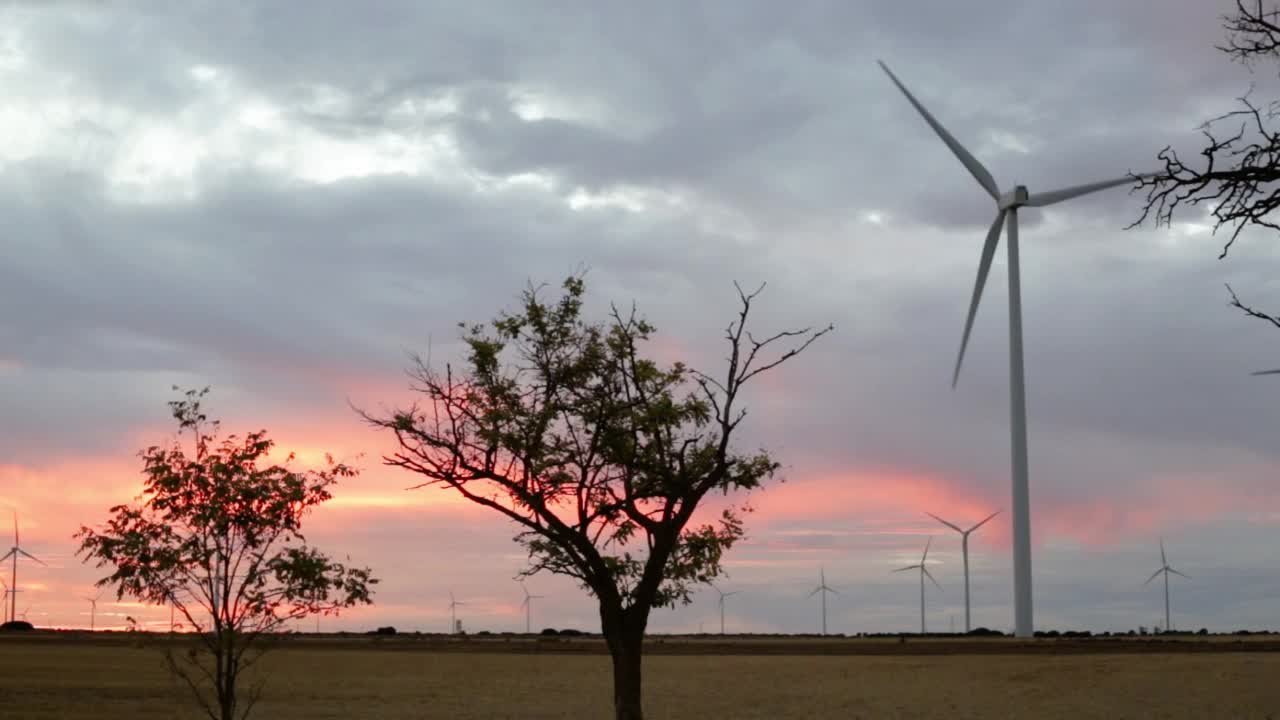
964, 548
724, 595
528, 607
453, 618
4, 599
14, 552
822, 588
923, 572
1007, 205
1164, 568
93, 611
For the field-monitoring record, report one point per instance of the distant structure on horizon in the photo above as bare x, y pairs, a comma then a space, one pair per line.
924, 571
1164, 568
822, 588
13, 554
964, 548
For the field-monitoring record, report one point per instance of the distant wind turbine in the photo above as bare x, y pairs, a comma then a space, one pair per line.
453, 618
14, 552
1007, 205
822, 588
964, 548
1267, 372
724, 595
923, 572
528, 607
1164, 568
93, 611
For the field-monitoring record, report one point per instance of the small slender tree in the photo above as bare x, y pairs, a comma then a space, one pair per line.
600, 456
219, 538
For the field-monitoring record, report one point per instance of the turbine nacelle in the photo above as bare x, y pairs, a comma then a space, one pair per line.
1014, 198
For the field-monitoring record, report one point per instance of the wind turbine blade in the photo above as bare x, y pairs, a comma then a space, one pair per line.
1175, 572
944, 522
971, 163
8, 555
984, 267
1154, 575
984, 521
29, 555
926, 551
15, 529
909, 567
735, 592
1163, 560
1266, 372
1057, 196
930, 576
815, 592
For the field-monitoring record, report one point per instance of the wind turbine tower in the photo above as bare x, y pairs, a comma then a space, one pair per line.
724, 595
453, 617
964, 548
822, 588
14, 552
1164, 568
923, 572
93, 611
528, 608
1007, 205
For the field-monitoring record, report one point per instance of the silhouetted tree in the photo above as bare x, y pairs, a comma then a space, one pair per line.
219, 538
599, 455
1239, 177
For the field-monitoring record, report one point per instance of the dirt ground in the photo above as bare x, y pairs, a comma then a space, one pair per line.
70, 678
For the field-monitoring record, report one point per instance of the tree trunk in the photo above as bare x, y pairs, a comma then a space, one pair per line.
624, 634
626, 683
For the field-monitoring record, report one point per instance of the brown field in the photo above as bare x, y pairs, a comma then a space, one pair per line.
69, 677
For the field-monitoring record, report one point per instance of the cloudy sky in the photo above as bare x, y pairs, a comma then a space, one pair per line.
280, 203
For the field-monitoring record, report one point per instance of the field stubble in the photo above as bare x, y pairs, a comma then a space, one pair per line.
72, 680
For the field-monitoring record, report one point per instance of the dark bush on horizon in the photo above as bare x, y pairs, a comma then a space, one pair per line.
17, 626
549, 631
388, 630
984, 632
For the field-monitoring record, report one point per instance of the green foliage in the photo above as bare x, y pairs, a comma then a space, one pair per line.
218, 535
599, 454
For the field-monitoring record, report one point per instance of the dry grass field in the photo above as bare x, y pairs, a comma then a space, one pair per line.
68, 678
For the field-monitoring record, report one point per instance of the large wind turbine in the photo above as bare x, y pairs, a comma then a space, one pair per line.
1007, 205
964, 548
1164, 568
923, 572
528, 607
724, 595
14, 552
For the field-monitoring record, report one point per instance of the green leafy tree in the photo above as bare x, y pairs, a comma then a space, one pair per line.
218, 537
599, 455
